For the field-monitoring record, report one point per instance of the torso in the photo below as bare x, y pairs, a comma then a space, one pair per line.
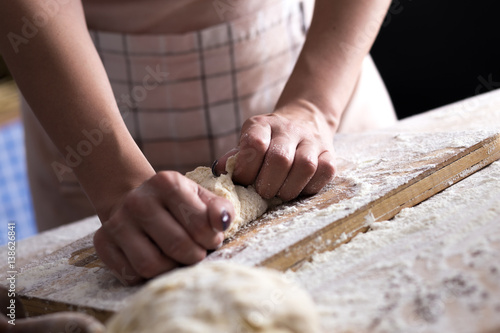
165, 16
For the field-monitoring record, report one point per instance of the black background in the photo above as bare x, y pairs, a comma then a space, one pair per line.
434, 52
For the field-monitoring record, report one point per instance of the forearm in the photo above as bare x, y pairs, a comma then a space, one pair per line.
63, 80
341, 35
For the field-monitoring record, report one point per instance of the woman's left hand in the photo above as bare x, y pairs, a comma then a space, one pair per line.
285, 153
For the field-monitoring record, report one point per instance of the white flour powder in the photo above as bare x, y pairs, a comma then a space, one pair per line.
433, 268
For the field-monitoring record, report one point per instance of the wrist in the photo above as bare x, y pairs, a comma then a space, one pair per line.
115, 167
306, 111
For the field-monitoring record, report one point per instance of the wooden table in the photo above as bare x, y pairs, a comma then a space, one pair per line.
480, 112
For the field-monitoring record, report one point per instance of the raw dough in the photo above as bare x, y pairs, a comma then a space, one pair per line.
218, 297
248, 204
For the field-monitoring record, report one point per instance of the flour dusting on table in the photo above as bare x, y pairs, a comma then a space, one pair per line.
392, 161
433, 268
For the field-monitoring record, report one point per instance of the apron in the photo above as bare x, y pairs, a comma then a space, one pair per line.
183, 97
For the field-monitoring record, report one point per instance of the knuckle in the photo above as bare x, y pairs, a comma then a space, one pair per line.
136, 203
306, 164
177, 248
189, 215
112, 227
291, 128
181, 250
281, 156
284, 159
327, 168
259, 144
252, 122
257, 120
167, 180
147, 268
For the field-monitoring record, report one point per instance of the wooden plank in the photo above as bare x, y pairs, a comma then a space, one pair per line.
380, 173
71, 279
422, 187
426, 174
432, 268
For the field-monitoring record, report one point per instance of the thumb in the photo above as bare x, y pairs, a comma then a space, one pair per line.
220, 210
219, 165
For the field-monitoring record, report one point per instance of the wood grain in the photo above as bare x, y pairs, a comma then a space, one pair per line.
422, 187
429, 174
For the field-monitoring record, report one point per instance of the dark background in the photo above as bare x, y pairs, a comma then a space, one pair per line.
434, 52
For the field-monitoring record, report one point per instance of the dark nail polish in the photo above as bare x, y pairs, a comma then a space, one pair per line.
225, 218
214, 172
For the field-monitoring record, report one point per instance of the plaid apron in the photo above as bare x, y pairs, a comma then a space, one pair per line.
183, 97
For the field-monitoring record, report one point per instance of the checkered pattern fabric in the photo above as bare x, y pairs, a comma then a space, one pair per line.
14, 191
184, 97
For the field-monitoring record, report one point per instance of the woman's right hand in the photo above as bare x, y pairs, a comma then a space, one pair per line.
167, 221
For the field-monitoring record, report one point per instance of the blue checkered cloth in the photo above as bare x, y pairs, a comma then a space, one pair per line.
15, 199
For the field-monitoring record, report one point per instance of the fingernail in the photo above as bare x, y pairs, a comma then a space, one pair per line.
214, 172
225, 218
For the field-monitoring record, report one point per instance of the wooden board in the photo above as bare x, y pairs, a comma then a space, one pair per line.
396, 178
380, 174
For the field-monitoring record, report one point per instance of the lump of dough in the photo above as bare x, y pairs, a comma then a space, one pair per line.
218, 297
248, 204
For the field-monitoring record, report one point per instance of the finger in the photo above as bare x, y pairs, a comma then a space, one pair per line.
220, 211
174, 241
183, 202
277, 164
254, 143
303, 169
144, 256
325, 172
219, 166
115, 260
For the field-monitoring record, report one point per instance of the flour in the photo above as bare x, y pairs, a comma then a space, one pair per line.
371, 169
41, 245
433, 268
84, 287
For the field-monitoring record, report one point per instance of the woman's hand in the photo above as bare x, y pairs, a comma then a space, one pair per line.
285, 153
168, 221
290, 151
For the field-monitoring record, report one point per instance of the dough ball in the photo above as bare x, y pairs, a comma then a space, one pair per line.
248, 204
218, 297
